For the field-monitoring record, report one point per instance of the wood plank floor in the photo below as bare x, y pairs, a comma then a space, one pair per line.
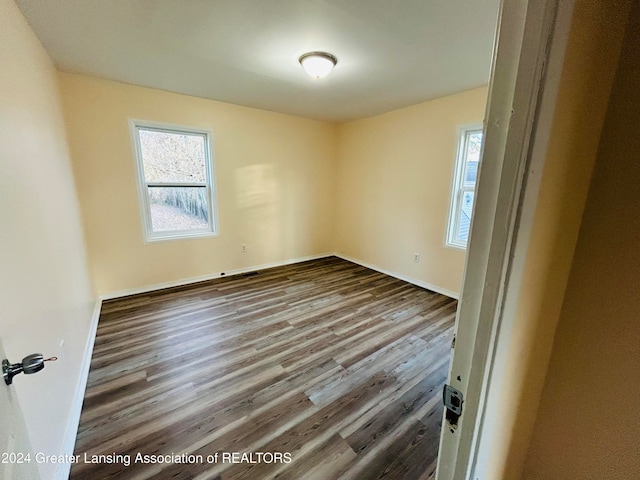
332, 366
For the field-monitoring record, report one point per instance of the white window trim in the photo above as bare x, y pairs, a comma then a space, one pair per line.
143, 198
457, 186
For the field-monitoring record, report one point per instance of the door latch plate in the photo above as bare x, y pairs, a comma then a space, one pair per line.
452, 399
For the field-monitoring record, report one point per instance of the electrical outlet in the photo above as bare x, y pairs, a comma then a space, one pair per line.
416, 257
243, 247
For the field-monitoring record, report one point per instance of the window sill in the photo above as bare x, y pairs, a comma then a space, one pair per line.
178, 236
456, 247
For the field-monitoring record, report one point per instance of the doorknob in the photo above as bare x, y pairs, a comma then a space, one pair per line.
30, 364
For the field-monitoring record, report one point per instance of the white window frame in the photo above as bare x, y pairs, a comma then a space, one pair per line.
145, 209
458, 188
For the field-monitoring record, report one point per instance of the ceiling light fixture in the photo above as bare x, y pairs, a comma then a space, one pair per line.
318, 64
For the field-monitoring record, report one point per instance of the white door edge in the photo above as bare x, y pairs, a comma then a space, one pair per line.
530, 45
17, 459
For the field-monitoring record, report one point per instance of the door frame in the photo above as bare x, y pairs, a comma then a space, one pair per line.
531, 40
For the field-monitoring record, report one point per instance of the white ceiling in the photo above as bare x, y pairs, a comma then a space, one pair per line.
391, 53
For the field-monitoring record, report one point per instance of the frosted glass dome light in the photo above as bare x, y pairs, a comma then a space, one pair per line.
318, 64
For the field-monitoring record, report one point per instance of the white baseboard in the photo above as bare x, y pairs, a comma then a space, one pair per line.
228, 273
69, 441
415, 281
210, 276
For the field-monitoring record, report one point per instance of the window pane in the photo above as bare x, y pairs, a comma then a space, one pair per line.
474, 146
470, 173
172, 157
464, 221
178, 208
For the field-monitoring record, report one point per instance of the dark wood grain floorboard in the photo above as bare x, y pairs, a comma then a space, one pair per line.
336, 365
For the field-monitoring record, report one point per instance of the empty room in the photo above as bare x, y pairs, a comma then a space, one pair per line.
310, 240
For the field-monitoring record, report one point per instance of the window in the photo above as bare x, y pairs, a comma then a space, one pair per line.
464, 186
175, 180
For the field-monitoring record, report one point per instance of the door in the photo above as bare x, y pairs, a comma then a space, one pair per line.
17, 461
531, 39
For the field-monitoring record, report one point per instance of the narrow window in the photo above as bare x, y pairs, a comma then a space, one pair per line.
464, 185
175, 175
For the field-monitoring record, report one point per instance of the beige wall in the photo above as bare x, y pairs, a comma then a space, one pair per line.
588, 425
394, 185
526, 341
274, 173
45, 294
287, 187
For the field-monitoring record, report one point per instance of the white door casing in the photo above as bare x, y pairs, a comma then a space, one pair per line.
530, 44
